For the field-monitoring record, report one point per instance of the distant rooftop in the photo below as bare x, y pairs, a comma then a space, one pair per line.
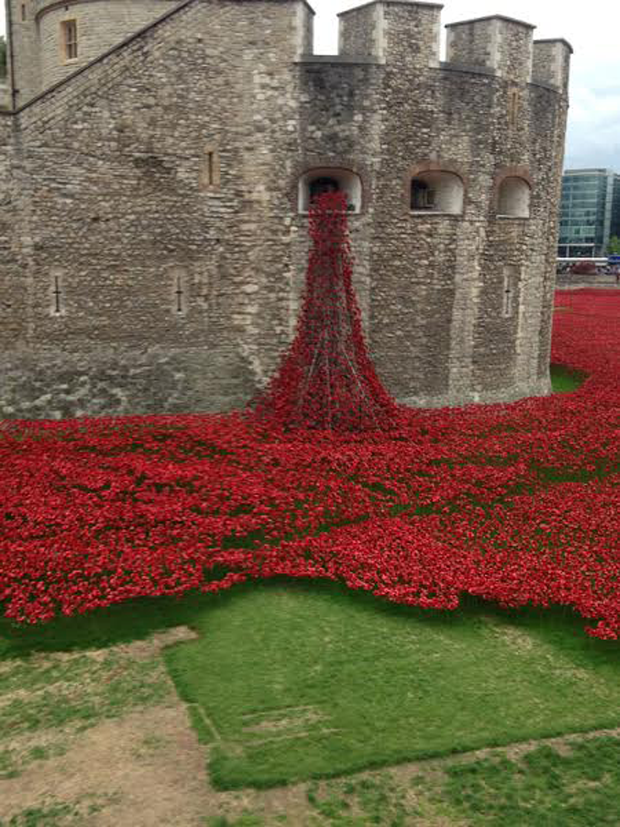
590, 171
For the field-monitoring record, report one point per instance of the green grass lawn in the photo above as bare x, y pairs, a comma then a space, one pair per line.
543, 788
578, 786
296, 680
564, 380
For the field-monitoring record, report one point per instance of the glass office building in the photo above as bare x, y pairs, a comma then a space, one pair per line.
589, 212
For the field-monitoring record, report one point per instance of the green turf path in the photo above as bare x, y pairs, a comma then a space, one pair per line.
301, 681
290, 681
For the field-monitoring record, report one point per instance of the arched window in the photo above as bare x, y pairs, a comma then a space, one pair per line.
514, 198
317, 181
441, 192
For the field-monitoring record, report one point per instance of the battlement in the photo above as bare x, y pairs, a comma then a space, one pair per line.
35, 8
551, 64
393, 31
404, 31
498, 43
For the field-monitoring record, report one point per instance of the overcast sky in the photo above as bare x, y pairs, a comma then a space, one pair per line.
591, 28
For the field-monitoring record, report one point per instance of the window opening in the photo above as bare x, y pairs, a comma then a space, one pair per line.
179, 295
322, 185
70, 39
514, 198
422, 196
514, 108
209, 174
437, 191
57, 294
330, 179
23, 11
508, 296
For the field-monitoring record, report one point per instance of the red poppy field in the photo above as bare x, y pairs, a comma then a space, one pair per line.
516, 504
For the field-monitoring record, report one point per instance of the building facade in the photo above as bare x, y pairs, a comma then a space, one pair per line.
154, 221
589, 212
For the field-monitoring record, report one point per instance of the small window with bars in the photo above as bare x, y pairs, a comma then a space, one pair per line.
69, 36
422, 196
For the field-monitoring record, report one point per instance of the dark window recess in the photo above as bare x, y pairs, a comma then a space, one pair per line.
422, 196
322, 185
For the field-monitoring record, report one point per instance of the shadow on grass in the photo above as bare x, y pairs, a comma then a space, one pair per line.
140, 618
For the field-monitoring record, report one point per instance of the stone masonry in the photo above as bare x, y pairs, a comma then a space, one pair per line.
152, 222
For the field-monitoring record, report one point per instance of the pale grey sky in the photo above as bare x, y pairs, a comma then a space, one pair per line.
591, 28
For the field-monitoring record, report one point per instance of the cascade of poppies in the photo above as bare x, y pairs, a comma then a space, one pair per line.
326, 379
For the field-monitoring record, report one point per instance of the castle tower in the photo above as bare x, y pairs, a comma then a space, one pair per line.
47, 40
159, 268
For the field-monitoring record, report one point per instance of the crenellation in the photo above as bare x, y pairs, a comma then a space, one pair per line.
498, 43
412, 34
361, 31
305, 29
384, 28
551, 64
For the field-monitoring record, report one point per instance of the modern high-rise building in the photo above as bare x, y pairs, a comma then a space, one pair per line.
589, 212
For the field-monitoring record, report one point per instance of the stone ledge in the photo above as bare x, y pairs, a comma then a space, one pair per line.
341, 59
435, 214
392, 3
464, 67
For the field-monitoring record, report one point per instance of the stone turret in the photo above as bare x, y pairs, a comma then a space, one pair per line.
49, 40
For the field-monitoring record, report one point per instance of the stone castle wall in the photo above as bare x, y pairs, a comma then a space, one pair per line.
154, 250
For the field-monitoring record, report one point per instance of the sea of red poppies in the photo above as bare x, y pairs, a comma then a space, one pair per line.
517, 504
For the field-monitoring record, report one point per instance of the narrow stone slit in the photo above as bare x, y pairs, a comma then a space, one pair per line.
57, 293
179, 295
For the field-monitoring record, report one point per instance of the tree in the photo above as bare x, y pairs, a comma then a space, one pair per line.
326, 379
613, 249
